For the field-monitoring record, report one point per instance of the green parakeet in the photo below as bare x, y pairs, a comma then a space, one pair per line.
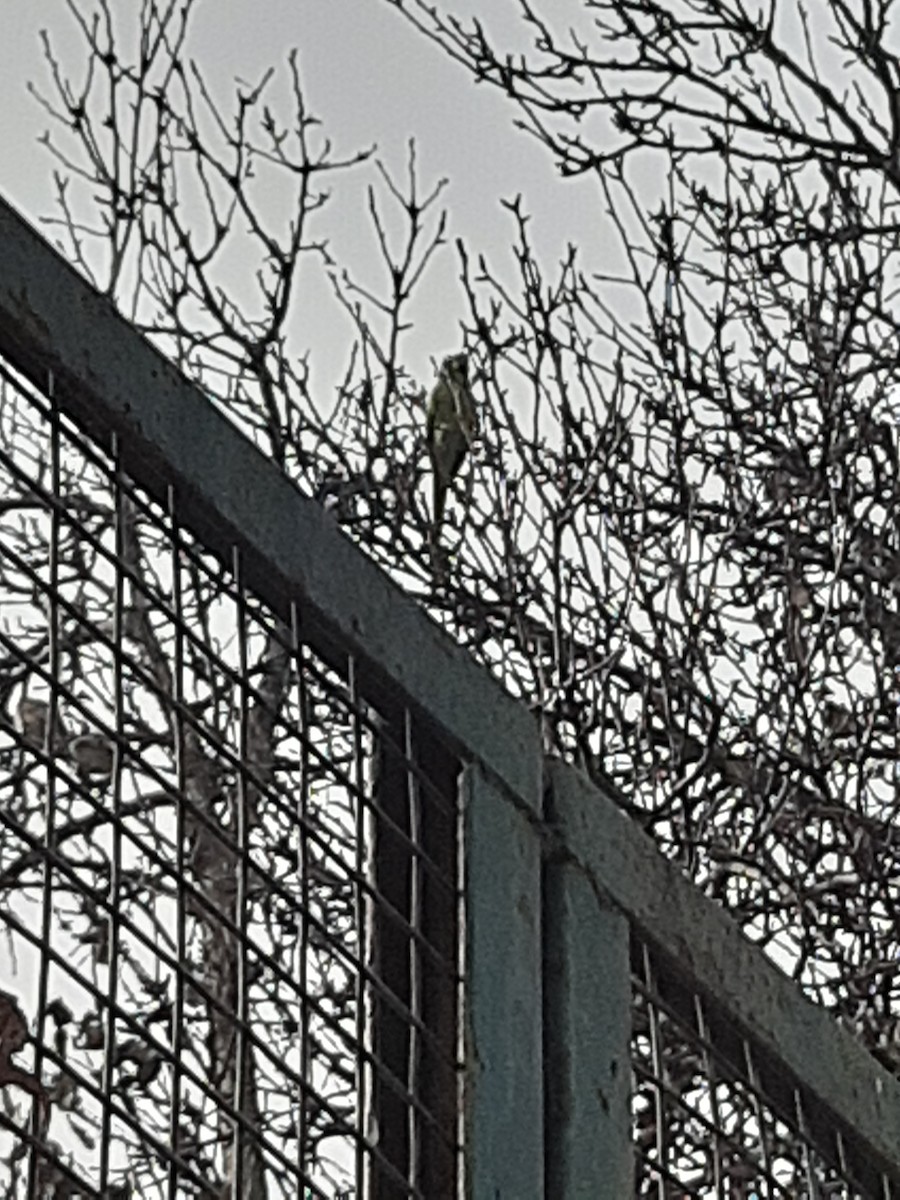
450, 431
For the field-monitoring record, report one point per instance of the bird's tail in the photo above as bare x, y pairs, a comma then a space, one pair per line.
439, 499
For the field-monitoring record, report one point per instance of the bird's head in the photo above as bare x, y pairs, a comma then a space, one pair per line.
455, 368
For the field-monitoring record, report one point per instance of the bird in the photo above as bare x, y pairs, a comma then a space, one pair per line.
92, 755
451, 427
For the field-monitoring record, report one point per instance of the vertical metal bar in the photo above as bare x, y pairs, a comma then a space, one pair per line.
658, 1061
812, 1182
361, 916
710, 1068
303, 866
414, 1072
460, 1091
242, 1079
114, 887
178, 1000
39, 1118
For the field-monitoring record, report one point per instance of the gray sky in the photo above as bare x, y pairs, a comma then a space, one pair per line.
371, 79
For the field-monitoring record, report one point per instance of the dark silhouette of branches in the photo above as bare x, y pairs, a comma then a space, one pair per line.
712, 467
678, 541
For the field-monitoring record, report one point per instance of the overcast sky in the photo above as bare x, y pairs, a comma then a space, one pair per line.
371, 79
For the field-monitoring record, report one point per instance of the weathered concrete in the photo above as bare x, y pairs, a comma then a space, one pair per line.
111, 380
504, 1102
587, 1027
712, 954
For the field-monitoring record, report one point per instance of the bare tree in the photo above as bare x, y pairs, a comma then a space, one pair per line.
679, 540
711, 470
163, 723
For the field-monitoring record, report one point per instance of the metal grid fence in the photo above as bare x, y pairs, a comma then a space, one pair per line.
238, 897
716, 1116
228, 883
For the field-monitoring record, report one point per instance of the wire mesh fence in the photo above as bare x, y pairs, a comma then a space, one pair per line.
231, 862
715, 1115
229, 896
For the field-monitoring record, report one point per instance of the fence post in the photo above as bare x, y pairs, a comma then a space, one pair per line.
587, 1022
504, 1088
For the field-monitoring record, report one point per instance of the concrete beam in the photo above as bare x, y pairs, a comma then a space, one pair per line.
109, 379
710, 952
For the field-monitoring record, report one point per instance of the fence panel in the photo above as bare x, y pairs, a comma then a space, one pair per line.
740, 1086
253, 943
228, 881
715, 1114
